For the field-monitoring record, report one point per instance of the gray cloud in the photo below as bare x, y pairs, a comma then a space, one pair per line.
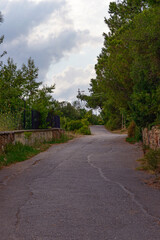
21, 18
52, 50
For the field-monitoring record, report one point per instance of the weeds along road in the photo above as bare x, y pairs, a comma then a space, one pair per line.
86, 189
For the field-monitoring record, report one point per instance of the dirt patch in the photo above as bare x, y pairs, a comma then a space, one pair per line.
153, 182
121, 131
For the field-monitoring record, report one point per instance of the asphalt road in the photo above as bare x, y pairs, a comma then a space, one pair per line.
86, 189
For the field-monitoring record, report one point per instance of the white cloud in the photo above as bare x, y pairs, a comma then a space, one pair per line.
64, 36
70, 80
89, 14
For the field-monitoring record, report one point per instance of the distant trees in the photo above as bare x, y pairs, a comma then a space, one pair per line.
19, 91
127, 79
19, 85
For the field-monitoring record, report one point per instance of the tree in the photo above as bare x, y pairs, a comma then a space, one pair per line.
11, 87
19, 91
17, 84
43, 102
145, 71
127, 70
30, 75
1, 40
122, 13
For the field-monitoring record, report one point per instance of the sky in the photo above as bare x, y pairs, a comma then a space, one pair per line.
63, 37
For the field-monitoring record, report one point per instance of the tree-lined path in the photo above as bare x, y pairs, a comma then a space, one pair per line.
86, 189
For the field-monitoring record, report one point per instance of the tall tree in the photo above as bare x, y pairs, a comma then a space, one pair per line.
127, 69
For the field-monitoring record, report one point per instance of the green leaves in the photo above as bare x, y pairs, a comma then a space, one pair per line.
20, 91
128, 68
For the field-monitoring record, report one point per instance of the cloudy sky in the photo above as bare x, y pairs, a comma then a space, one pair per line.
64, 37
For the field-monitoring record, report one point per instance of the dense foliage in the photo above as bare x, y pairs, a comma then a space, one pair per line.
76, 118
127, 83
20, 93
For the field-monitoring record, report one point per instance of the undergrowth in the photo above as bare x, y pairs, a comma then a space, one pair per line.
151, 161
18, 152
131, 140
134, 133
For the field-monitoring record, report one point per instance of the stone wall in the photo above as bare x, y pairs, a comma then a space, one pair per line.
29, 137
151, 137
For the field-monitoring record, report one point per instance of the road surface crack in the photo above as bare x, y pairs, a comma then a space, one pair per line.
129, 193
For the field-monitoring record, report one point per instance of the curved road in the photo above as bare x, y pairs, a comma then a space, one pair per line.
86, 189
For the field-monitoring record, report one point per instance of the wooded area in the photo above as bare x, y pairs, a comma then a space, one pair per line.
127, 83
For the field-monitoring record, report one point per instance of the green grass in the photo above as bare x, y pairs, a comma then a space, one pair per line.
151, 161
19, 152
131, 140
16, 153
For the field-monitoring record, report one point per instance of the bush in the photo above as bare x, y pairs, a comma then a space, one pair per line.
113, 124
84, 122
79, 126
131, 140
134, 133
74, 125
84, 130
132, 130
153, 159
63, 122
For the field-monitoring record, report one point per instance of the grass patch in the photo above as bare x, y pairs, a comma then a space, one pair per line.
151, 162
131, 140
19, 152
16, 153
120, 131
85, 130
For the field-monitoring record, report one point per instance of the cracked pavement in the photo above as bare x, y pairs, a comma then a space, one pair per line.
86, 189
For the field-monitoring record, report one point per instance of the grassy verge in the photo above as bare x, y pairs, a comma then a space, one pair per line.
151, 161
151, 164
19, 152
16, 153
120, 131
131, 140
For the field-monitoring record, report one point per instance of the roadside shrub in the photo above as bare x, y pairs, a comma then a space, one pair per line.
151, 161
16, 153
85, 122
131, 140
74, 125
84, 130
132, 130
134, 133
152, 158
63, 122
138, 134
79, 126
113, 124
